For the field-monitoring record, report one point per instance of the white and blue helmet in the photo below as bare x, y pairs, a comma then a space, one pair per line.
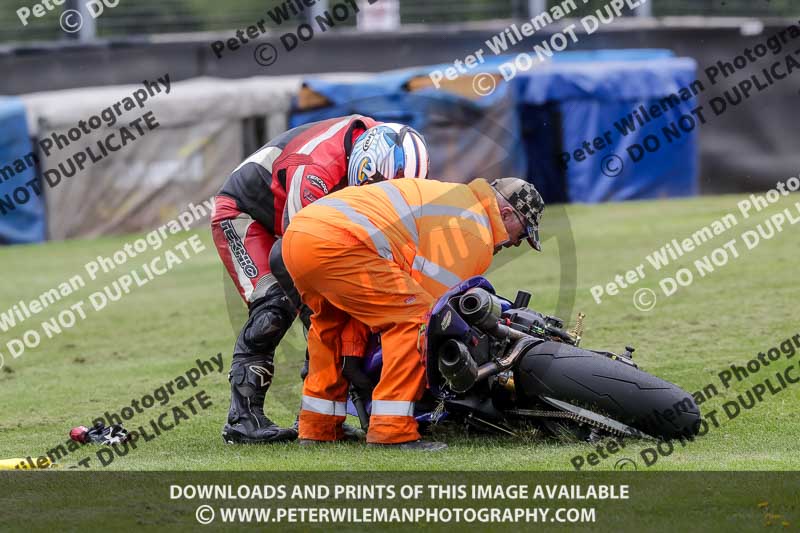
388, 151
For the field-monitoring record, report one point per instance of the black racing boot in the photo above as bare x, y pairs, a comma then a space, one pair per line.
250, 379
353, 434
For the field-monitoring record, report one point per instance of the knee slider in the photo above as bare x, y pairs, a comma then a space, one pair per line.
268, 323
265, 330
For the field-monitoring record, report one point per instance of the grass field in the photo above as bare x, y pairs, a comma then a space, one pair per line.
156, 333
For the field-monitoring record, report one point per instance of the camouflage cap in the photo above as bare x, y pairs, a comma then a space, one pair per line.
527, 201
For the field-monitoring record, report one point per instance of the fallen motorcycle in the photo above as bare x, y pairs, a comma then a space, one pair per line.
499, 367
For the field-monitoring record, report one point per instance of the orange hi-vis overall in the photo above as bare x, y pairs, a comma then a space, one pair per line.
377, 257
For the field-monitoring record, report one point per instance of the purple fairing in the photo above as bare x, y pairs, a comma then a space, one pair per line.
373, 358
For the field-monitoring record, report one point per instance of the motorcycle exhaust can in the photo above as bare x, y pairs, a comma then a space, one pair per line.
457, 366
480, 308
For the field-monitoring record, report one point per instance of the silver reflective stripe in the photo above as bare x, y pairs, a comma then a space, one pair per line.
293, 201
323, 407
431, 210
434, 271
324, 136
264, 158
378, 238
407, 215
392, 408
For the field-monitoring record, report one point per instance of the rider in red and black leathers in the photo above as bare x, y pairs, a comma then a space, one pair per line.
251, 211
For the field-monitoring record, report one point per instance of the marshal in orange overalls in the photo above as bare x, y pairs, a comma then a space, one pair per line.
377, 257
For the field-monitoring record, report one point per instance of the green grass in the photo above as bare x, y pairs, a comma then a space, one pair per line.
156, 332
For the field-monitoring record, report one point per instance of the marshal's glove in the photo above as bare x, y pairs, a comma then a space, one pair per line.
100, 434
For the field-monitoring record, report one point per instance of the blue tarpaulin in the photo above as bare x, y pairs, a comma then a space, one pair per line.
597, 100
559, 105
22, 213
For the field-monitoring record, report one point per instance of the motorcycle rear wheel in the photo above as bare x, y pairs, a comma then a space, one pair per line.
619, 390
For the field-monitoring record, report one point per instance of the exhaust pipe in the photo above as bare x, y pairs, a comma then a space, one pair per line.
480, 308
495, 367
483, 310
457, 366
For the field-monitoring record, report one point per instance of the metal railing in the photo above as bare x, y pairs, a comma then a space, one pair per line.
145, 17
